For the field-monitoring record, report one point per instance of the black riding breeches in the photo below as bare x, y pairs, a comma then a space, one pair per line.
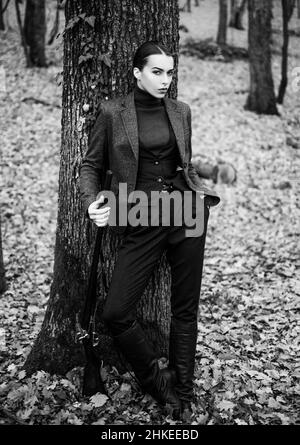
139, 252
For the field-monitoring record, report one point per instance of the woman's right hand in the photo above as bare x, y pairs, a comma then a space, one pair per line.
99, 216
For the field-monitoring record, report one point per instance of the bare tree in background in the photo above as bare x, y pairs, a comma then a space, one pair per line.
237, 10
222, 27
2, 27
99, 42
287, 12
186, 7
261, 98
60, 6
35, 31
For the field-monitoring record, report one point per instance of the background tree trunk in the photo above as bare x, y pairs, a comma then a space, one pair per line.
287, 12
2, 270
240, 14
98, 50
186, 6
261, 98
35, 31
222, 28
21, 30
233, 10
2, 27
237, 11
54, 30
298, 9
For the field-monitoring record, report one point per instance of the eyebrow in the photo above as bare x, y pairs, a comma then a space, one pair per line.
156, 67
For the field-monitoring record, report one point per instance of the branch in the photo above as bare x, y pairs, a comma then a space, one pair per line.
39, 101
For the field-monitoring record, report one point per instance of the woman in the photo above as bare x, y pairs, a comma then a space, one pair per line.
147, 139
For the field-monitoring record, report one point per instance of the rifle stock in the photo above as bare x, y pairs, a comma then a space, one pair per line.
92, 382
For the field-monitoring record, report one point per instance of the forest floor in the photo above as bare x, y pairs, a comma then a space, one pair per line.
248, 345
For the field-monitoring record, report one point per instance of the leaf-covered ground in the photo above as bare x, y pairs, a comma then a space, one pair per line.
248, 346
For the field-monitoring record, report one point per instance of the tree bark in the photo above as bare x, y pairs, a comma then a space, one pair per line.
222, 28
287, 12
35, 31
98, 50
261, 98
2, 270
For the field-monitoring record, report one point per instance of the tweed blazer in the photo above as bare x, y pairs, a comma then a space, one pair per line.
115, 132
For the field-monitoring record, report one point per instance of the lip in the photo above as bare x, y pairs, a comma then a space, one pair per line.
163, 90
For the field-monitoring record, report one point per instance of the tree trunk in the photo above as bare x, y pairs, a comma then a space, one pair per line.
21, 29
287, 12
233, 11
55, 28
98, 50
261, 98
2, 27
222, 29
236, 14
35, 31
239, 16
298, 9
186, 6
2, 270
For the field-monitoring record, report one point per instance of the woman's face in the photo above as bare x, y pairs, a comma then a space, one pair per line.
156, 75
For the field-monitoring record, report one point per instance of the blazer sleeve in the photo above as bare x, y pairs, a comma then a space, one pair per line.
92, 166
191, 169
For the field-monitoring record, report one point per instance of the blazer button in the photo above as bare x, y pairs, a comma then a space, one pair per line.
159, 179
156, 162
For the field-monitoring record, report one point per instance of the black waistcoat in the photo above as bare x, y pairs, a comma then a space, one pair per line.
159, 159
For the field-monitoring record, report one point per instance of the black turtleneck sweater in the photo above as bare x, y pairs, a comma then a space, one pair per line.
158, 151
155, 132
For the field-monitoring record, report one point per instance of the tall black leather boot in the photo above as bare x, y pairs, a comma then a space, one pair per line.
138, 352
182, 351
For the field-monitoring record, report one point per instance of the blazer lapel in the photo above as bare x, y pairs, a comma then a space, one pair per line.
131, 126
175, 116
130, 123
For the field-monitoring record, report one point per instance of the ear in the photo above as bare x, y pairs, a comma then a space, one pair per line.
136, 72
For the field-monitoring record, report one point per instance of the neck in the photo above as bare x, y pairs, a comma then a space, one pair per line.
142, 97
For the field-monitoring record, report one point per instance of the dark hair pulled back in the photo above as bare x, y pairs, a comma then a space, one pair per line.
147, 49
